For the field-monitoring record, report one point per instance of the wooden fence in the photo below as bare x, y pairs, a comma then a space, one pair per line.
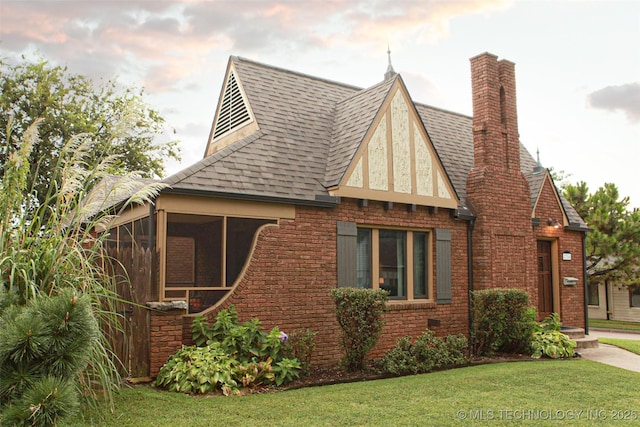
135, 270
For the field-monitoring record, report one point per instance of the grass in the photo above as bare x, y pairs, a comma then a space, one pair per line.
629, 345
531, 393
614, 324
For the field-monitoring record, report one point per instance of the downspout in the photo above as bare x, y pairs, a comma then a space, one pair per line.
471, 224
606, 298
586, 283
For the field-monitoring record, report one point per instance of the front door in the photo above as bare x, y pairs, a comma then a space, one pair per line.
545, 287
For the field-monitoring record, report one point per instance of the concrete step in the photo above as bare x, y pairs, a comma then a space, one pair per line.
573, 332
586, 342
582, 341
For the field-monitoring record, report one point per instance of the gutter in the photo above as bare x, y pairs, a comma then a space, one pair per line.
321, 200
586, 282
466, 215
470, 226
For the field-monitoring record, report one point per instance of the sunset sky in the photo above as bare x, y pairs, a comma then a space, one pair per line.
577, 62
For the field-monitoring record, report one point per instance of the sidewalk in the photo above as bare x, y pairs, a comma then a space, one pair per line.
612, 355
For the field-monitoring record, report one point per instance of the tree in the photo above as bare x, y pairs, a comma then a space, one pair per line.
613, 247
70, 104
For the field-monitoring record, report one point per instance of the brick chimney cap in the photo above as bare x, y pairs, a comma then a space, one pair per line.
484, 54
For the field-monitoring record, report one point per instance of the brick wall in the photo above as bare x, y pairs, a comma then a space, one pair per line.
293, 268
571, 297
166, 337
504, 248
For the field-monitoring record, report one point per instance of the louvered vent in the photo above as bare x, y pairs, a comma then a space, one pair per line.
233, 111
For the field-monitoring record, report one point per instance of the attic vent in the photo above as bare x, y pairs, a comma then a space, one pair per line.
233, 111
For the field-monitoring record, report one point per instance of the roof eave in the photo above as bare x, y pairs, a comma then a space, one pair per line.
319, 200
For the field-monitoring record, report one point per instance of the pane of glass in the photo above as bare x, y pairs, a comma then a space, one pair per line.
363, 262
594, 298
635, 297
393, 263
420, 289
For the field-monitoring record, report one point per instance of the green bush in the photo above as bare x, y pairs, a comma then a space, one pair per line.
300, 345
359, 313
549, 341
427, 353
199, 370
502, 321
229, 355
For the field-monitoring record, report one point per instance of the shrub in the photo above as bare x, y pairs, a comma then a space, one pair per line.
228, 355
300, 345
427, 353
502, 321
199, 370
549, 341
359, 313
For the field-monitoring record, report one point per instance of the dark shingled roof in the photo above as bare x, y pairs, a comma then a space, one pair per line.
310, 130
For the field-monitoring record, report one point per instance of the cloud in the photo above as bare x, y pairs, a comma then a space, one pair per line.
624, 98
163, 42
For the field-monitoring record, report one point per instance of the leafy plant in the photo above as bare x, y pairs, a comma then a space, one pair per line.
502, 321
286, 371
199, 370
300, 345
549, 341
244, 341
427, 353
228, 355
359, 313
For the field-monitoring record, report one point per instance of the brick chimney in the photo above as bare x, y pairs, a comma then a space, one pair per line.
497, 191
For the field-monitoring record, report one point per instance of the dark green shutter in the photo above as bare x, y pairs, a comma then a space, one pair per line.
443, 266
346, 254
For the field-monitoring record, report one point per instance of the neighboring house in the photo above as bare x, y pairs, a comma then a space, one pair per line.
307, 184
613, 301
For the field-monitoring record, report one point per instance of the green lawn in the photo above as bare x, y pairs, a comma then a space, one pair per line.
630, 345
524, 393
614, 324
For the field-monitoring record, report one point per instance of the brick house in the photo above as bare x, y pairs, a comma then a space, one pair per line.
307, 184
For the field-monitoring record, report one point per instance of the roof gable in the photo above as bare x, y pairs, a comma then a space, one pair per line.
541, 186
234, 118
395, 160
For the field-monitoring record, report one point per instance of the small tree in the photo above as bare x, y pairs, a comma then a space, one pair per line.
359, 313
613, 245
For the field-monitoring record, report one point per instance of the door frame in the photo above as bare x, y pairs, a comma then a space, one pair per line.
555, 274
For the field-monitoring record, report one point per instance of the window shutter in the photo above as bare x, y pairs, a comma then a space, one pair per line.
346, 254
443, 266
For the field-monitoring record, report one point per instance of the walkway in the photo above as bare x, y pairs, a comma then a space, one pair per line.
612, 355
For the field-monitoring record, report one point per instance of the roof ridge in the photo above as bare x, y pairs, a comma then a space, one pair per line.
443, 110
390, 82
297, 73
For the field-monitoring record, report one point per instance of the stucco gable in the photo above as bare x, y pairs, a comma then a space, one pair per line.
396, 160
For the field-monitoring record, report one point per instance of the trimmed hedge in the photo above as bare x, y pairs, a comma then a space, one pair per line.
359, 313
503, 321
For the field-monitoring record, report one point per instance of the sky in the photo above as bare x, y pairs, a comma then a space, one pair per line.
577, 62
